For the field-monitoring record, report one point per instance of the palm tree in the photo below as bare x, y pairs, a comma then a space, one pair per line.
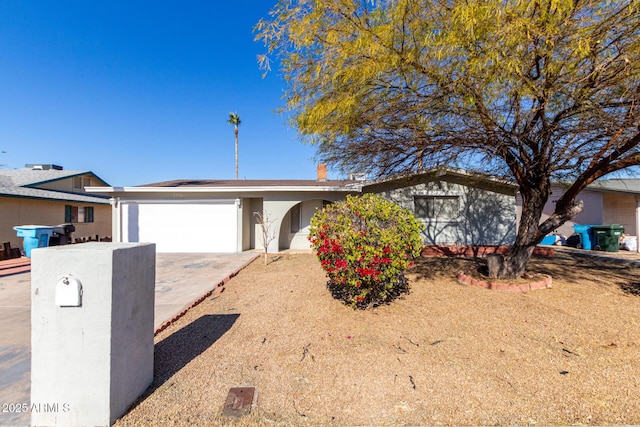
234, 119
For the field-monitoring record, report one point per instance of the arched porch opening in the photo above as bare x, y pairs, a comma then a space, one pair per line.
294, 228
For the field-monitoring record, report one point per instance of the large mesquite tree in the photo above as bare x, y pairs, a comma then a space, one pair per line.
532, 90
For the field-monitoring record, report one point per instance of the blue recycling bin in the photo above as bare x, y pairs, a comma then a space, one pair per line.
585, 232
549, 240
35, 236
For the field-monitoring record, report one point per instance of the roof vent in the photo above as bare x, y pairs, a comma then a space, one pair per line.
358, 176
42, 167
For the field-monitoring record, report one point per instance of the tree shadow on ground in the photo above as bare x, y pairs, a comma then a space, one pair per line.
430, 268
632, 288
562, 266
178, 349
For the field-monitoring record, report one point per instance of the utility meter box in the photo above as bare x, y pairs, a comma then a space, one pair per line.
92, 309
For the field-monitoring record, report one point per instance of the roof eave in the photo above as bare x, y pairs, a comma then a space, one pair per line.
99, 200
227, 189
79, 173
443, 171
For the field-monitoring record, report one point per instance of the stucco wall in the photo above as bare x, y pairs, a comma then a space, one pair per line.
486, 217
279, 206
592, 213
275, 204
19, 211
96, 358
66, 185
252, 232
247, 223
620, 209
299, 239
101, 224
599, 208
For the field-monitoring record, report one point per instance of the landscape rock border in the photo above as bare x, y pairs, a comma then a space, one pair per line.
544, 283
478, 251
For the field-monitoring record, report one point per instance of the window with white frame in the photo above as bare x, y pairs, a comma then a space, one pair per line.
436, 207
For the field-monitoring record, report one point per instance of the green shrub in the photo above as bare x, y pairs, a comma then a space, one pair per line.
365, 244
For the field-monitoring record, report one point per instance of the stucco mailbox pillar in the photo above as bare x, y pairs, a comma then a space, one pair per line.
91, 331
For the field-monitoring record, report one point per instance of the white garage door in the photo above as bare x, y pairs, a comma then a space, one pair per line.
184, 227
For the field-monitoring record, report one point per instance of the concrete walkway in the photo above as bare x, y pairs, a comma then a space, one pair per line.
181, 280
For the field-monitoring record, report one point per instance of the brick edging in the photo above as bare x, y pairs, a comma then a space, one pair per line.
544, 283
478, 251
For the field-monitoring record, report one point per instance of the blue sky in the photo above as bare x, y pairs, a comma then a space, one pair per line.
140, 91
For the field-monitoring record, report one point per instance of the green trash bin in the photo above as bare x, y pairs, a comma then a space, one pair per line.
607, 237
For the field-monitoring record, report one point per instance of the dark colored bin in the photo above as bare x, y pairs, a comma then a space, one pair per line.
607, 237
62, 234
585, 232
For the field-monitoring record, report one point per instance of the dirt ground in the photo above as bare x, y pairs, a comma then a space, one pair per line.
445, 354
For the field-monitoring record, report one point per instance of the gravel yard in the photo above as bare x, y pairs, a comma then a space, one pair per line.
445, 354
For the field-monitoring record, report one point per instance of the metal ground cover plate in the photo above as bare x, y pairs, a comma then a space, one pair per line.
239, 401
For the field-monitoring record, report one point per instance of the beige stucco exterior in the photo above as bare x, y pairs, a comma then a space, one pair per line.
22, 211
593, 212
68, 185
620, 209
48, 195
599, 208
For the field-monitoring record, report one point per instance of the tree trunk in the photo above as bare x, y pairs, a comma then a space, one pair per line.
236, 132
494, 264
515, 262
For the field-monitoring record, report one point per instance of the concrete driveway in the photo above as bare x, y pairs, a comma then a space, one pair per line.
181, 280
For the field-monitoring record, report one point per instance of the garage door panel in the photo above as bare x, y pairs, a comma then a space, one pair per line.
185, 227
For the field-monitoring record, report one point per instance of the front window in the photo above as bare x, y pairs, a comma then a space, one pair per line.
78, 214
437, 207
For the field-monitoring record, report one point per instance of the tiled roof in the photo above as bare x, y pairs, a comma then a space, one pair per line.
21, 183
30, 177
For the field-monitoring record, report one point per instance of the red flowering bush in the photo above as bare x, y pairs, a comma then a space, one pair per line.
365, 244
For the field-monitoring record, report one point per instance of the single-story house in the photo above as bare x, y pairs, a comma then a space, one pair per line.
218, 215
42, 194
606, 201
456, 207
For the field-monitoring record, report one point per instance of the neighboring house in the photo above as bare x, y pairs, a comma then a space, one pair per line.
49, 195
218, 216
607, 201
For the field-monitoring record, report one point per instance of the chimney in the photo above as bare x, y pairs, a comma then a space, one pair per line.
322, 172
